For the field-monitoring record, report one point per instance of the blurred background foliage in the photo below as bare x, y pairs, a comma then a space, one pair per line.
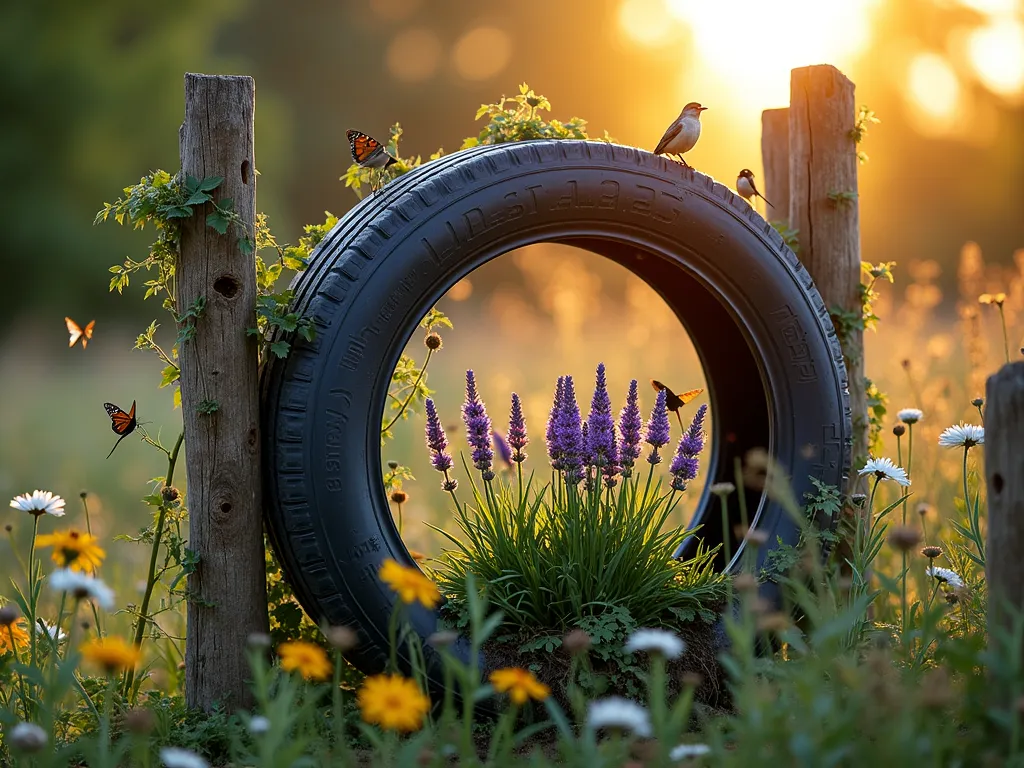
92, 100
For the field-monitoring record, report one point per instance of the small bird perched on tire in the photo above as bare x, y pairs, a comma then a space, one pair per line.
682, 135
746, 187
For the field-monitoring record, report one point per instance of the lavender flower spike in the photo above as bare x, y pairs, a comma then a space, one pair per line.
658, 428
478, 428
630, 426
569, 434
684, 465
517, 438
603, 442
554, 448
437, 441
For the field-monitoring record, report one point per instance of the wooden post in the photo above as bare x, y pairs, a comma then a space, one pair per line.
219, 400
823, 207
1004, 476
775, 160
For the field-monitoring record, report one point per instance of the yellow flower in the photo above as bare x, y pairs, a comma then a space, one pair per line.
519, 684
410, 584
992, 298
112, 653
308, 659
73, 549
393, 702
18, 630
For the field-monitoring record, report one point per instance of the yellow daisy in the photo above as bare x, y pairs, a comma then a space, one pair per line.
992, 298
73, 549
18, 632
519, 684
112, 653
410, 584
393, 702
308, 659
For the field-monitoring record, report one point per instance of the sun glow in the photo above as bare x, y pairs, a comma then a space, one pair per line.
752, 45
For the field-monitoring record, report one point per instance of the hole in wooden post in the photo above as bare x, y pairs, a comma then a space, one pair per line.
997, 482
245, 171
225, 507
226, 286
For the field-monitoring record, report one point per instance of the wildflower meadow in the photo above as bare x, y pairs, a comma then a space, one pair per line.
549, 600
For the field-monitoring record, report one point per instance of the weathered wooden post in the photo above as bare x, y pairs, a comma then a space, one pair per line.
775, 160
219, 400
1004, 476
823, 208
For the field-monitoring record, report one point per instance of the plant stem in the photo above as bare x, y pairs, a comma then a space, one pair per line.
903, 553
1006, 339
140, 626
32, 590
412, 394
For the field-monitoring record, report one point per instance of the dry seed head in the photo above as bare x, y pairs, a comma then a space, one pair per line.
577, 641
899, 430
342, 638
904, 538
978, 402
931, 551
9, 614
433, 341
392, 465
8, 527
744, 582
924, 509
399, 497
170, 493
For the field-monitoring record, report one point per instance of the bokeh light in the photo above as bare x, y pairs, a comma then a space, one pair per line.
395, 10
482, 53
646, 22
413, 55
996, 52
934, 92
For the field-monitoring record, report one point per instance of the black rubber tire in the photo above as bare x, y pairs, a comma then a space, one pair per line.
774, 368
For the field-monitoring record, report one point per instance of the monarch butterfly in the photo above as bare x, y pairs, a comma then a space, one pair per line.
77, 332
122, 423
674, 402
369, 153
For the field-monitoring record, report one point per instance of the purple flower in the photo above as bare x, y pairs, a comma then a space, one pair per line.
517, 438
554, 449
602, 446
478, 426
630, 426
657, 427
684, 465
504, 450
569, 434
437, 441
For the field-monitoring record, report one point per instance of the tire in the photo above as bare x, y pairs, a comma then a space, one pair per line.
774, 368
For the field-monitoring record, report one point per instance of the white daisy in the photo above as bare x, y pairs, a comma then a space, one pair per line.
952, 578
28, 737
56, 633
176, 757
910, 415
660, 641
39, 503
620, 713
259, 724
82, 586
886, 470
686, 751
962, 436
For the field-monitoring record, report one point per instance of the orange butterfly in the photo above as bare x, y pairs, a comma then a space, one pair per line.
122, 423
77, 332
369, 153
674, 402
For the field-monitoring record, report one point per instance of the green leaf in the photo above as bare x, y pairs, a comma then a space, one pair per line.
218, 221
280, 348
210, 183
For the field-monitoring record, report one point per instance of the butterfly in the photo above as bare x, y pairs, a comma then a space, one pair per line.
77, 332
369, 153
674, 402
122, 423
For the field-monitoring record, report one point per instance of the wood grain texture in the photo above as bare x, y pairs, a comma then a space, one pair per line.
1004, 477
823, 159
775, 160
228, 589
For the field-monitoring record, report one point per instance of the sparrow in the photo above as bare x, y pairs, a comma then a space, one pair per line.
745, 186
682, 134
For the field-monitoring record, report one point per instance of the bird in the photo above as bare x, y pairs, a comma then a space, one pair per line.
746, 187
682, 135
